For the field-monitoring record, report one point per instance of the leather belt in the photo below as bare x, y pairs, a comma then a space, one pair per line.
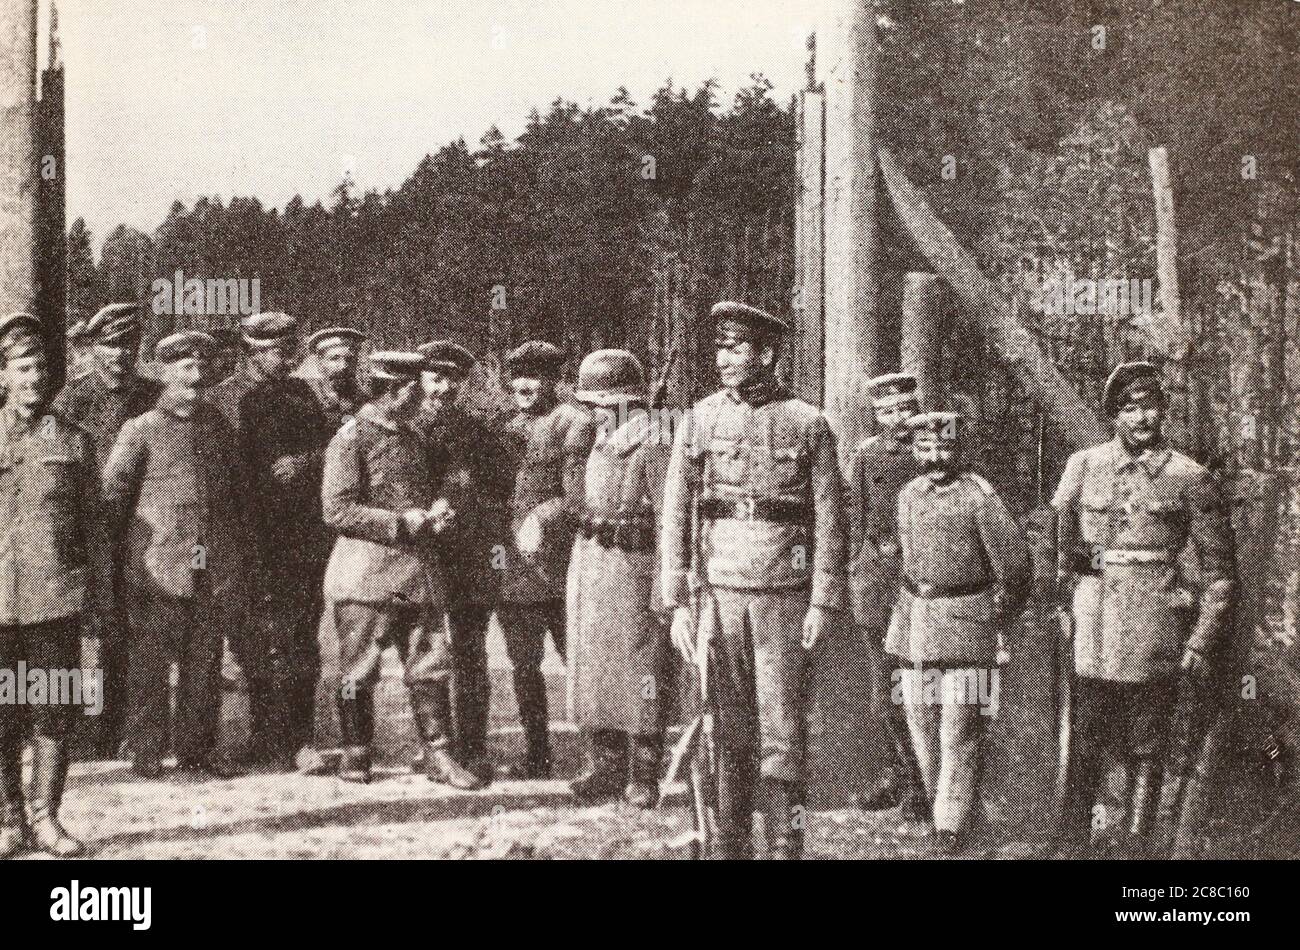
932, 591
631, 534
1121, 557
776, 510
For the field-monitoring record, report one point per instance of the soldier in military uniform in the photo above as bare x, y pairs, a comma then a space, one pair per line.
176, 500
339, 394
282, 437
965, 576
54, 575
615, 615
1147, 562
879, 468
754, 514
101, 401
477, 480
384, 584
337, 389
551, 441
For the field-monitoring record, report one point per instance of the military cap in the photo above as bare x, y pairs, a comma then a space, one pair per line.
1130, 379
937, 425
892, 389
322, 340
730, 312
20, 329
396, 365
183, 345
610, 376
446, 355
268, 329
534, 359
117, 321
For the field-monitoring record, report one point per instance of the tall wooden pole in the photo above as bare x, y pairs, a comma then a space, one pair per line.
851, 320
921, 343
18, 184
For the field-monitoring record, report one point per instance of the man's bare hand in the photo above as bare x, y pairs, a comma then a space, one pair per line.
529, 537
1193, 662
414, 521
441, 515
683, 633
814, 626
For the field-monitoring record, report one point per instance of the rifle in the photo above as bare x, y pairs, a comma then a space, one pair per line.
1199, 738
1064, 663
698, 745
660, 391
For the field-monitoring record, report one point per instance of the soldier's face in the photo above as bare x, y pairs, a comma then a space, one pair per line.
440, 390
339, 364
741, 359
1140, 421
406, 399
114, 360
891, 418
26, 380
272, 362
526, 392
187, 378
937, 457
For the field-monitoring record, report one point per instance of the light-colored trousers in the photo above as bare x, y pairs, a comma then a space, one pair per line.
947, 728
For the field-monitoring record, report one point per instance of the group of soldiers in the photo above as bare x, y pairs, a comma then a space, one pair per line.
275, 513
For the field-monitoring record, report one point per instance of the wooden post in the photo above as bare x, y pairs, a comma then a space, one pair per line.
51, 232
806, 358
922, 338
18, 185
851, 321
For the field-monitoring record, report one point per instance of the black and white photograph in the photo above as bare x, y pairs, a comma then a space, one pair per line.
682, 430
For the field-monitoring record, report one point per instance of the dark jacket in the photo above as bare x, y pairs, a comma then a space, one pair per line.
102, 411
476, 477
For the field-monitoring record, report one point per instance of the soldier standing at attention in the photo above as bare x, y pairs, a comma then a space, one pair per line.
337, 388
1148, 566
384, 585
552, 440
101, 401
476, 479
615, 616
756, 470
881, 465
282, 437
965, 575
176, 501
54, 575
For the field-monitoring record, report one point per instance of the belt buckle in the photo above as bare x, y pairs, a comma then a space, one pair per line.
749, 506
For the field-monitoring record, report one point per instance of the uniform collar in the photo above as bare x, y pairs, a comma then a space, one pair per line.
930, 485
371, 413
14, 425
757, 393
1152, 460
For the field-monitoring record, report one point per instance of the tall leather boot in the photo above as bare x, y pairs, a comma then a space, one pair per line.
1143, 804
606, 769
735, 811
355, 730
431, 706
14, 833
534, 717
783, 819
643, 789
900, 782
49, 771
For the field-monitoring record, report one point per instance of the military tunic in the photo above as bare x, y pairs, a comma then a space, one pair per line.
338, 408
878, 470
965, 574
53, 558
754, 517
614, 610
1149, 540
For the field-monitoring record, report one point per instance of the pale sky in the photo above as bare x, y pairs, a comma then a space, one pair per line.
174, 99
